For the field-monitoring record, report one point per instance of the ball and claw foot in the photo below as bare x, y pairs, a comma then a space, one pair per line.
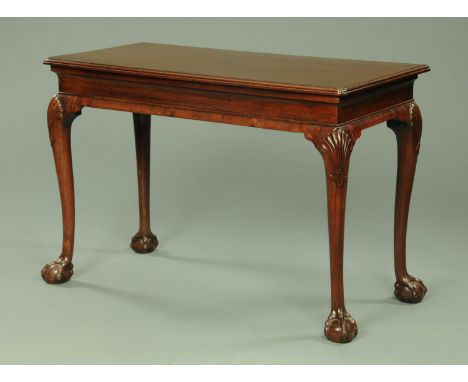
410, 290
144, 243
340, 326
57, 271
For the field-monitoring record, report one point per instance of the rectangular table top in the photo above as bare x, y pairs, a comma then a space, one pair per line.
313, 75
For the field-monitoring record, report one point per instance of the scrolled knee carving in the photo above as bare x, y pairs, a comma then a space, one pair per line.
62, 110
408, 121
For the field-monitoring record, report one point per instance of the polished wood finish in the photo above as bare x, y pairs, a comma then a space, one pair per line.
408, 133
336, 149
315, 75
62, 111
335, 145
330, 101
144, 241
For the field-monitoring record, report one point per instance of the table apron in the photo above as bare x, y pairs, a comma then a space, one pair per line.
228, 105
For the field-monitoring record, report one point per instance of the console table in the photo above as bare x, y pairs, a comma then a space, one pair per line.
329, 101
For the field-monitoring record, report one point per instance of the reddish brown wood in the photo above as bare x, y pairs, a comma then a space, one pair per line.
331, 101
335, 145
144, 241
314, 75
185, 96
60, 115
408, 133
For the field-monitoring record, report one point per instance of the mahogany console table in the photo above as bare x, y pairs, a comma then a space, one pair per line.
330, 101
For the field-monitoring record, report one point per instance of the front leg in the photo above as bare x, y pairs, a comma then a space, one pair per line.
62, 111
407, 128
336, 145
144, 240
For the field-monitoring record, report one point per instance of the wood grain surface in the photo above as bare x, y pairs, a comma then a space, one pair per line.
331, 101
314, 75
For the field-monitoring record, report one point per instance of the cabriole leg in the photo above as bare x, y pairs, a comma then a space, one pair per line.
408, 134
144, 240
336, 145
62, 111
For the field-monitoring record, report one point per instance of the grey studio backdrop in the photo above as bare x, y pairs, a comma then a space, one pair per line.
242, 272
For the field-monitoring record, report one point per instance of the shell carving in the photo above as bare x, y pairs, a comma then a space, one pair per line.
337, 147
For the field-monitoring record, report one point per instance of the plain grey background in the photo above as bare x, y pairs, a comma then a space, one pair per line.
241, 275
